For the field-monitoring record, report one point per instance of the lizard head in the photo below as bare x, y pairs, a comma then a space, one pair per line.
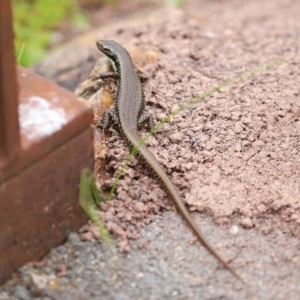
108, 48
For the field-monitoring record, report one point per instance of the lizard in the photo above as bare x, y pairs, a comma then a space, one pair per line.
127, 114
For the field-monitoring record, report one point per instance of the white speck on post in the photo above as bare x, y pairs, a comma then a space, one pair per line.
38, 118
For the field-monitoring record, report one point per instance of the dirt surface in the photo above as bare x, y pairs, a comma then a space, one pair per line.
234, 156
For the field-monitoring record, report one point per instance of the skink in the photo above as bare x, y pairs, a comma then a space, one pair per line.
127, 114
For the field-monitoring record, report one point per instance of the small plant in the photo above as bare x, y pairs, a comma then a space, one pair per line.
90, 200
34, 23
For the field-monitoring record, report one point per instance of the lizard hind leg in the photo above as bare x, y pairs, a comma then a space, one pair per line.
146, 121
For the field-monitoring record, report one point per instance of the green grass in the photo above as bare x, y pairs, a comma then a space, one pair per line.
90, 201
35, 21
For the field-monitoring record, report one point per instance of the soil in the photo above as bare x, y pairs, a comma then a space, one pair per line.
226, 74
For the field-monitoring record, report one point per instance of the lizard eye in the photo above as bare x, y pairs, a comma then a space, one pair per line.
110, 53
106, 49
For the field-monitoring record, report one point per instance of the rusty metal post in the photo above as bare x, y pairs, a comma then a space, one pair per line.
45, 142
9, 126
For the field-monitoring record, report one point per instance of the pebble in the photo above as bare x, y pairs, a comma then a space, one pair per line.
261, 208
238, 128
20, 293
234, 230
140, 207
73, 239
40, 281
247, 223
64, 281
176, 137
